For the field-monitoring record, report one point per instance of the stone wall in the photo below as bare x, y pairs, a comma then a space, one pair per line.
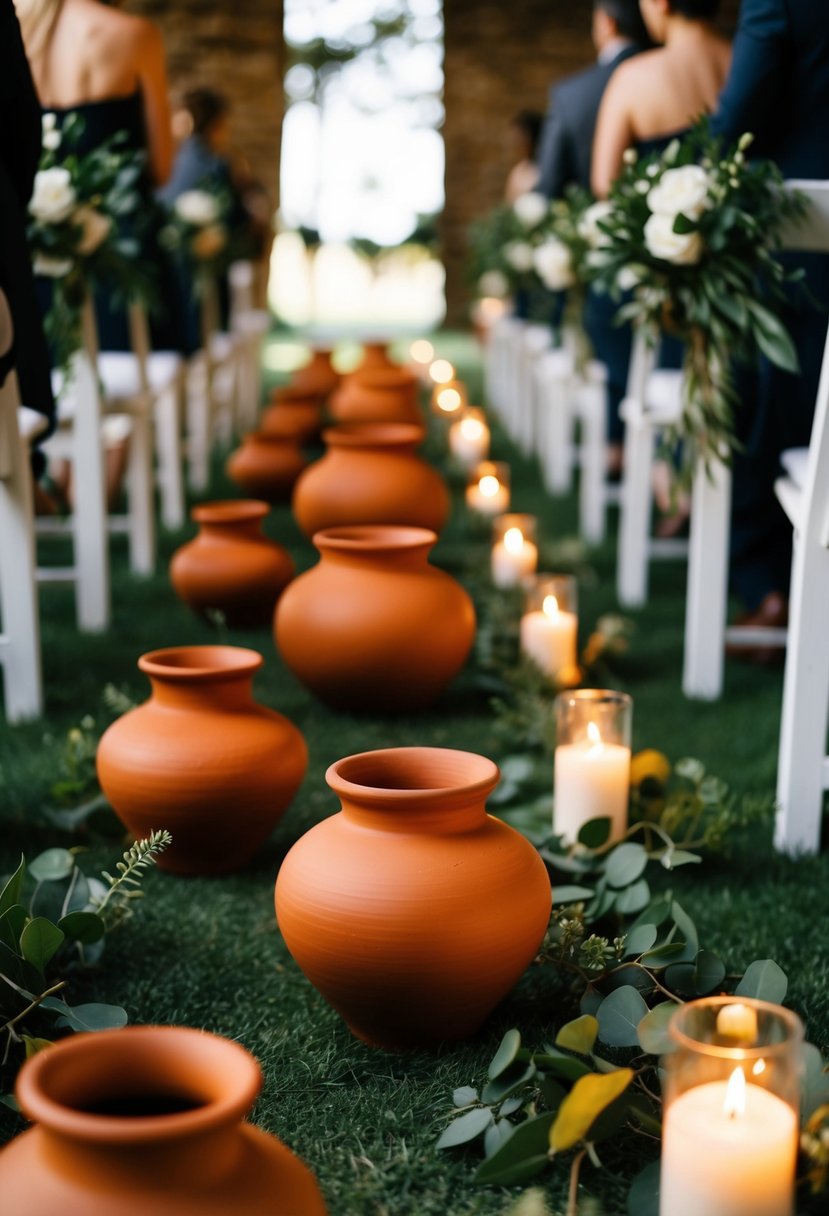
501, 57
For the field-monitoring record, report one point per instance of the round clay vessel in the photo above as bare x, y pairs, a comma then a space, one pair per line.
412, 911
376, 357
373, 626
231, 567
288, 394
202, 759
267, 466
384, 394
317, 376
299, 420
371, 474
148, 1121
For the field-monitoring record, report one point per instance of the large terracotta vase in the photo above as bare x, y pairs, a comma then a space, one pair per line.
317, 376
202, 759
267, 465
371, 474
378, 394
148, 1121
412, 911
373, 626
231, 567
299, 420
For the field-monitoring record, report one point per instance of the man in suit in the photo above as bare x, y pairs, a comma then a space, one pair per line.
778, 88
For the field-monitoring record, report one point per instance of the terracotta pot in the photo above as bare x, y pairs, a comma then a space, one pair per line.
202, 759
317, 376
378, 395
371, 474
300, 420
373, 625
230, 566
412, 911
376, 357
291, 394
148, 1120
267, 466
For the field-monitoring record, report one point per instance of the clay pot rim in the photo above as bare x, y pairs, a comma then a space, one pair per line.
230, 511
373, 538
231, 1072
383, 378
269, 436
373, 434
205, 662
475, 775
288, 395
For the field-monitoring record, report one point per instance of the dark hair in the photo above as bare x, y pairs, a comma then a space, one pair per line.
529, 123
699, 10
628, 19
205, 107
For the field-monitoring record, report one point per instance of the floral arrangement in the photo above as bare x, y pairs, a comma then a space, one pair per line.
198, 227
81, 207
692, 233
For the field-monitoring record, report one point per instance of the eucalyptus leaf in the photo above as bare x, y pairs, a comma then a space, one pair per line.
656, 913
94, 1016
640, 939
568, 1068
518, 1075
663, 955
496, 1135
619, 1016
465, 1128
687, 931
83, 927
524, 1154
595, 832
581, 1108
40, 941
13, 890
504, 793
653, 1029
505, 1055
675, 858
509, 1107
465, 1096
516, 768
633, 899
682, 978
52, 866
815, 1086
643, 1196
625, 864
12, 922
578, 1035
709, 972
764, 981
571, 895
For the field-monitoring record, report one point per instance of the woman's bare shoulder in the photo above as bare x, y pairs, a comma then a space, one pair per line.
128, 30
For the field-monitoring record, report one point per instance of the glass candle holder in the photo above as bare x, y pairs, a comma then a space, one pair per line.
592, 760
550, 625
731, 1122
469, 438
487, 490
514, 550
449, 400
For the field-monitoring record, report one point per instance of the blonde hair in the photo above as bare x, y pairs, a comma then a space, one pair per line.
37, 21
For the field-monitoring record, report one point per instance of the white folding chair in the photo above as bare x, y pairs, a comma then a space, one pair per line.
250, 325
212, 388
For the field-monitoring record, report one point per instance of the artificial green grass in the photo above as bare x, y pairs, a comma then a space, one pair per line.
207, 952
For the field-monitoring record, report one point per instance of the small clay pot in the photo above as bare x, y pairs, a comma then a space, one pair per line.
300, 420
373, 626
385, 394
202, 759
148, 1121
376, 357
318, 376
267, 465
231, 567
412, 911
291, 394
371, 474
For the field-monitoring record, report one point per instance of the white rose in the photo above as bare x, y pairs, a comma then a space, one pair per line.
209, 242
48, 122
531, 209
554, 265
683, 190
52, 268
53, 199
589, 228
519, 256
681, 248
197, 207
493, 283
629, 277
96, 229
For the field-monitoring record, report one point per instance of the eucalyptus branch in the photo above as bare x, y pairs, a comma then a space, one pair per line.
138, 857
24, 1013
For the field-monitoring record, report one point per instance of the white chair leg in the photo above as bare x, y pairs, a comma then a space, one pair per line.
92, 587
198, 425
169, 455
707, 591
140, 495
801, 774
635, 513
592, 498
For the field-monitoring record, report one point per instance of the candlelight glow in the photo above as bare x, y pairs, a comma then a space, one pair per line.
759, 1068
449, 400
513, 540
735, 1095
442, 371
594, 734
422, 351
471, 428
489, 486
491, 307
550, 607
737, 1021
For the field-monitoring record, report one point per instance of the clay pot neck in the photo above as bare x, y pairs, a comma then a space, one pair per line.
202, 677
230, 520
376, 546
399, 438
429, 790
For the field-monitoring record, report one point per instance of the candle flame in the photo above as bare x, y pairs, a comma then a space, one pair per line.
422, 351
449, 400
550, 608
594, 734
513, 540
489, 485
442, 371
735, 1095
759, 1068
471, 428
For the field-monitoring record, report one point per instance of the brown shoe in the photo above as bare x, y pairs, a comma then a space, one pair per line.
772, 613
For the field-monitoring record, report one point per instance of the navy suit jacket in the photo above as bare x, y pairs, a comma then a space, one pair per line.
567, 138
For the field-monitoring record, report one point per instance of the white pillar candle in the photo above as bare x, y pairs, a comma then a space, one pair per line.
469, 441
488, 496
548, 637
727, 1154
513, 558
592, 781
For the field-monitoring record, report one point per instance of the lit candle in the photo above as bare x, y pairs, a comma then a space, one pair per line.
592, 772
449, 399
421, 354
728, 1149
548, 637
737, 1021
513, 559
488, 490
441, 371
469, 439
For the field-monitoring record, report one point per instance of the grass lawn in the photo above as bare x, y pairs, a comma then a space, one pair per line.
207, 953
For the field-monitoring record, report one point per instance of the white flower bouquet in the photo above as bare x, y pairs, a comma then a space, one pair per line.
692, 234
198, 228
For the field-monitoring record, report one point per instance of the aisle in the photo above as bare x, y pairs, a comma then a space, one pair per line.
207, 953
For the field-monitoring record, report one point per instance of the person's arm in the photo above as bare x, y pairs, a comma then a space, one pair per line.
152, 76
20, 139
751, 98
555, 168
614, 134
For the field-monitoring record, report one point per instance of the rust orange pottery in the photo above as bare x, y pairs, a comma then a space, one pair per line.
378, 394
373, 626
231, 567
148, 1121
288, 394
317, 376
202, 759
371, 474
267, 465
412, 911
300, 420
376, 356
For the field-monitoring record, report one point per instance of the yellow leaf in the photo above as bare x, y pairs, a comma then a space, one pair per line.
33, 1046
583, 1105
579, 1035
649, 764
